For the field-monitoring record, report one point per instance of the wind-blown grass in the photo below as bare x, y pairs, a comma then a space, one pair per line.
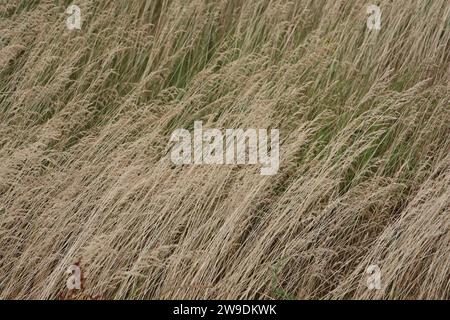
364, 119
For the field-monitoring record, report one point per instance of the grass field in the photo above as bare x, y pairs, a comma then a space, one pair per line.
85, 171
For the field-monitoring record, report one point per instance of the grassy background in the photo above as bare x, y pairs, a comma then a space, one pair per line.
364, 119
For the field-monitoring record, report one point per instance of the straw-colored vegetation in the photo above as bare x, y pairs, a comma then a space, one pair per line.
85, 173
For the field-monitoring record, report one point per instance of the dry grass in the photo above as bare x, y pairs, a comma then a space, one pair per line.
364, 119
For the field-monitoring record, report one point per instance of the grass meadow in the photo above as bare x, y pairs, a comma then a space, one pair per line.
85, 170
